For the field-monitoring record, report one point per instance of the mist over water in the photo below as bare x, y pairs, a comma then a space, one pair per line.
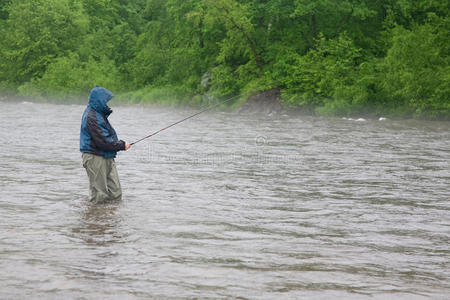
226, 206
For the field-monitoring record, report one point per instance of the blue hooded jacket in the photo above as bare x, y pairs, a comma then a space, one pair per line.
97, 136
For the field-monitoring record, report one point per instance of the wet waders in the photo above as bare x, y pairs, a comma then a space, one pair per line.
104, 184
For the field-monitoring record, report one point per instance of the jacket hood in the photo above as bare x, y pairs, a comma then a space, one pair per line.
98, 99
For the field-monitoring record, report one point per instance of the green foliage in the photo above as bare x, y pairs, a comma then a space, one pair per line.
3, 9
328, 57
325, 76
37, 32
416, 68
69, 77
173, 50
167, 95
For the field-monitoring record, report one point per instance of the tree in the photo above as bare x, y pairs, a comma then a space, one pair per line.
240, 29
35, 33
416, 70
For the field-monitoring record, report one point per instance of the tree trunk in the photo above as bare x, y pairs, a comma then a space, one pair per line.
250, 41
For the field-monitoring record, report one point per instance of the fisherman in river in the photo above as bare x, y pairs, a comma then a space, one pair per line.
99, 145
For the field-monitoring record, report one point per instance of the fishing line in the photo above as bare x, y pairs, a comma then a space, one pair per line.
191, 116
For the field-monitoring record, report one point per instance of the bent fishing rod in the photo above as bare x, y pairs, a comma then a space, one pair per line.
191, 116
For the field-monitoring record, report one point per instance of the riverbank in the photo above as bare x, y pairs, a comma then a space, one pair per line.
273, 101
268, 102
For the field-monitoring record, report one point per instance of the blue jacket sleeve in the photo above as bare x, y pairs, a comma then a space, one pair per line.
99, 139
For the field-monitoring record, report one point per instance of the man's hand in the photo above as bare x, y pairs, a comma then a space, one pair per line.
127, 146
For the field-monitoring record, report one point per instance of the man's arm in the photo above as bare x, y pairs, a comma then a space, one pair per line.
99, 139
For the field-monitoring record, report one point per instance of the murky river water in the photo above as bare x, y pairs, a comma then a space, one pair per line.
226, 206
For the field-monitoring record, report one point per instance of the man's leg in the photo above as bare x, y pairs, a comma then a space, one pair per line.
114, 188
97, 171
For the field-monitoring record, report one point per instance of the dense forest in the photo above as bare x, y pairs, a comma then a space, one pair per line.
327, 57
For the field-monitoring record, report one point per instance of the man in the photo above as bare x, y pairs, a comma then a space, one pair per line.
99, 145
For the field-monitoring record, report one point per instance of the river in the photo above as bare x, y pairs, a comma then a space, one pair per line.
226, 205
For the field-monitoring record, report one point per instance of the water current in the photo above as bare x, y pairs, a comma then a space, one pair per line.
226, 205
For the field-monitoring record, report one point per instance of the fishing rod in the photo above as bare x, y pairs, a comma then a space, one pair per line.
191, 116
